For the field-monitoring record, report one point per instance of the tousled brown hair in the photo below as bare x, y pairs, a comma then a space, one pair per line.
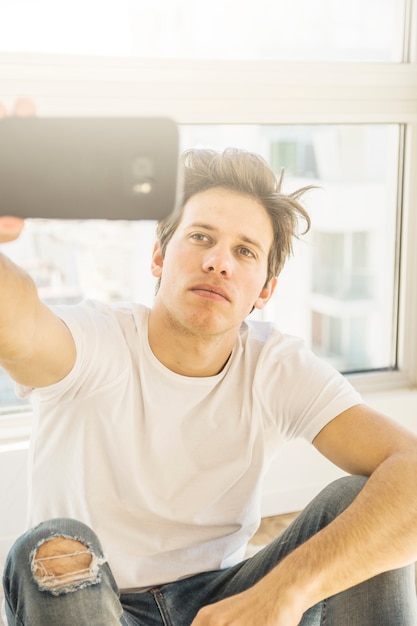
248, 174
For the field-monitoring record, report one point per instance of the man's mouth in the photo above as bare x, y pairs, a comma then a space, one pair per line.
211, 292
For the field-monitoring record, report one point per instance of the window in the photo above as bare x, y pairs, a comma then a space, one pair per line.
333, 100
345, 266
220, 29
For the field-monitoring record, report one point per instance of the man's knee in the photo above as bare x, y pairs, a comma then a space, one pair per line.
337, 496
341, 493
62, 561
64, 555
344, 490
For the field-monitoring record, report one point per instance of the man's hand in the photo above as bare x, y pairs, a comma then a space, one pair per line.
23, 107
11, 227
254, 606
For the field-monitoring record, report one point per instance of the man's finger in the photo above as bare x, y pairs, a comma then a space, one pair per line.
24, 107
10, 228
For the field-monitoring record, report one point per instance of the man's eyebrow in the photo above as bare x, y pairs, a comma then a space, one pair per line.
201, 225
244, 238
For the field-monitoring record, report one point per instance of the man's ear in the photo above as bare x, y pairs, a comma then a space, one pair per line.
266, 293
157, 261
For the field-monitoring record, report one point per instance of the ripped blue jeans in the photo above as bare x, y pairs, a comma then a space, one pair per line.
38, 593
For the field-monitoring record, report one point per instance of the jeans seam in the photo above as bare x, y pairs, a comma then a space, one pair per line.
161, 604
323, 620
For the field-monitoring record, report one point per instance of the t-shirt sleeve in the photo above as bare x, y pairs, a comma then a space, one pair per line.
101, 352
303, 393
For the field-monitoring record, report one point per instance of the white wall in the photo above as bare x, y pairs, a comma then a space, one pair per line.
13, 500
13, 495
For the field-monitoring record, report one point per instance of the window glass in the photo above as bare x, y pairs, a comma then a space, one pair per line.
359, 30
337, 291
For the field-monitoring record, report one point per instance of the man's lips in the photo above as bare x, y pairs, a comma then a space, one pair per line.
211, 292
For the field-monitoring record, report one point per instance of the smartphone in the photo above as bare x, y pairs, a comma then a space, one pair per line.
89, 168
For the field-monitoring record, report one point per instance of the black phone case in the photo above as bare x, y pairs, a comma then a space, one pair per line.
88, 168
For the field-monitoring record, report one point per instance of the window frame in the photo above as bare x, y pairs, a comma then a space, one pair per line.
251, 92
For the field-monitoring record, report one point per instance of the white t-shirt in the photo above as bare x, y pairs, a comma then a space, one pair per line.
168, 469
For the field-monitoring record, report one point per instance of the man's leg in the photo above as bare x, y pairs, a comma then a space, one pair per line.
57, 574
386, 600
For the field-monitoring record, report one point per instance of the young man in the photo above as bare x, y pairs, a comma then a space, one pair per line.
154, 429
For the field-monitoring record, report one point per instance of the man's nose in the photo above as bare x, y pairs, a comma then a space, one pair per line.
218, 261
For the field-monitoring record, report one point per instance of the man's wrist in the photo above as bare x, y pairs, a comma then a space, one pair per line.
292, 595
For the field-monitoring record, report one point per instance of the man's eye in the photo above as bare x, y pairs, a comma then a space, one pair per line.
246, 252
199, 237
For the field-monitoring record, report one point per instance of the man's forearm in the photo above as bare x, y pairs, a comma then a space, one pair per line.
376, 533
18, 295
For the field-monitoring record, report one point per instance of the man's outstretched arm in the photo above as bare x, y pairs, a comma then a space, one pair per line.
36, 348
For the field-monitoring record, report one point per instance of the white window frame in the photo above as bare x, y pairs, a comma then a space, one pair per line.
248, 92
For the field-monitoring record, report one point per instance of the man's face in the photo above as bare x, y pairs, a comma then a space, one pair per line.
215, 265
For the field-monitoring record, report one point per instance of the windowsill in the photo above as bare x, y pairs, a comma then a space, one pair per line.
372, 383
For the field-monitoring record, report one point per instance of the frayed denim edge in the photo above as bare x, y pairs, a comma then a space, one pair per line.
95, 577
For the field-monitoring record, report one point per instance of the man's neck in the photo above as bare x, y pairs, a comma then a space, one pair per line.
186, 353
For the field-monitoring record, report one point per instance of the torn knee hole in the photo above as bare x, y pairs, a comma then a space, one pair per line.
62, 561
